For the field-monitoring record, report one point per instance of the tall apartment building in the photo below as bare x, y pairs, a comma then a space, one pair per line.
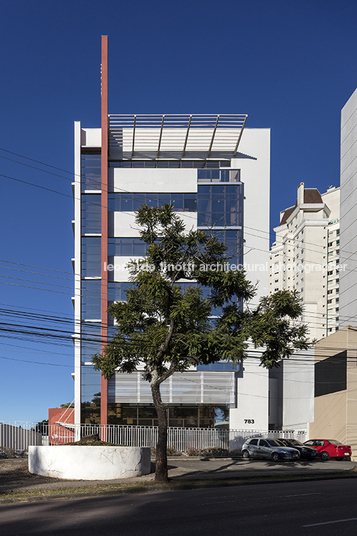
305, 257
215, 172
348, 185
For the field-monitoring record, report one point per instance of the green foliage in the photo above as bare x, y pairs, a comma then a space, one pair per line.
167, 329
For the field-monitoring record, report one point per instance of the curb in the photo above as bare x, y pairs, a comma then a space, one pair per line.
183, 485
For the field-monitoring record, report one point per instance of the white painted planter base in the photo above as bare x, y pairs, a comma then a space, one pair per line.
89, 463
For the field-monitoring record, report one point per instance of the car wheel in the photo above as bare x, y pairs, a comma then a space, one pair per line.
245, 454
275, 457
325, 456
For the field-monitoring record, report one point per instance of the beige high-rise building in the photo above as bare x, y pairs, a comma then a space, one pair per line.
305, 257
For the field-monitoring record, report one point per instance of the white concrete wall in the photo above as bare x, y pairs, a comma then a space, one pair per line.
254, 162
77, 271
252, 398
299, 390
123, 224
348, 218
91, 137
153, 180
88, 462
121, 271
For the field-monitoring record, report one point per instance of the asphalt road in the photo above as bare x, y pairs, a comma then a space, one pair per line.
315, 508
206, 468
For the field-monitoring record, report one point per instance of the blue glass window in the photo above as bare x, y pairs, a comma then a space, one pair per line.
218, 175
169, 163
126, 247
90, 172
90, 341
91, 256
220, 205
117, 291
91, 213
90, 382
129, 202
91, 299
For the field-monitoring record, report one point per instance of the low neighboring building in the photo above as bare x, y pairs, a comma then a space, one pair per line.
335, 412
60, 425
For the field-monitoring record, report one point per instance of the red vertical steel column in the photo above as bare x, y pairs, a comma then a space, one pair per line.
104, 219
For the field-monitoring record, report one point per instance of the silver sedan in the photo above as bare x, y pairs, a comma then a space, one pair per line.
268, 448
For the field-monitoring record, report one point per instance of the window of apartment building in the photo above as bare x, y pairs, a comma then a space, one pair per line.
330, 272
330, 244
329, 291
337, 232
337, 300
329, 301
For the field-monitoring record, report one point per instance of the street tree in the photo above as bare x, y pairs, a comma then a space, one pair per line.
163, 327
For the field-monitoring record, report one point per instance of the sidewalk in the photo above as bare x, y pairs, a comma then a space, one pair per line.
16, 481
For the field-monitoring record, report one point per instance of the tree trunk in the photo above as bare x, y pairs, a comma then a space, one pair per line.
161, 472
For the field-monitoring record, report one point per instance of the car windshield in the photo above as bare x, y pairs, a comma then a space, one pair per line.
334, 442
274, 443
294, 442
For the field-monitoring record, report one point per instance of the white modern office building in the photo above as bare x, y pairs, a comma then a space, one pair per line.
305, 257
348, 185
215, 172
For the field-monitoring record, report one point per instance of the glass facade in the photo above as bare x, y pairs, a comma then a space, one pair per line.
90, 288
128, 202
90, 172
218, 175
90, 214
218, 203
182, 416
169, 164
91, 256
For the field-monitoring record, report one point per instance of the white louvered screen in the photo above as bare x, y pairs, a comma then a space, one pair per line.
207, 387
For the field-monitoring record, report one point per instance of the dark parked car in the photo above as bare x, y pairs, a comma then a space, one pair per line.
308, 453
330, 448
268, 448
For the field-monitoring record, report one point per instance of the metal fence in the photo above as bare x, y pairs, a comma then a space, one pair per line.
21, 435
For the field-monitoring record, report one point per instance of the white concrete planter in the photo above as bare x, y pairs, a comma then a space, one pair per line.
81, 462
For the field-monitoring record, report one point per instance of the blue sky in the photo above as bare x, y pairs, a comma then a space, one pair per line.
289, 65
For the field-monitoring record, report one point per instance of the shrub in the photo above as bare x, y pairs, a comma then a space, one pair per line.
192, 451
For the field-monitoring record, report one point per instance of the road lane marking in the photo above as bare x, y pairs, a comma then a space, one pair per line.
331, 522
300, 494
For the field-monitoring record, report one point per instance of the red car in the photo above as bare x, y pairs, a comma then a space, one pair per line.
330, 448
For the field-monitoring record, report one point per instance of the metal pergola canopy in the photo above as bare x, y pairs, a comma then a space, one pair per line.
175, 137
